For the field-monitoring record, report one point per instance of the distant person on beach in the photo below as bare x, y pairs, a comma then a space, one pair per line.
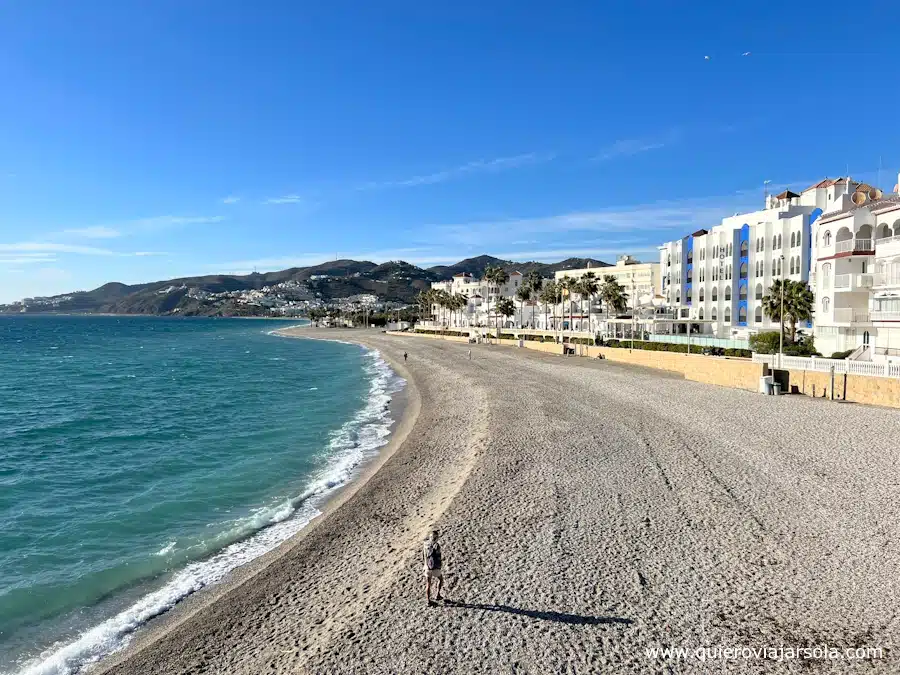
405, 355
431, 557
470, 355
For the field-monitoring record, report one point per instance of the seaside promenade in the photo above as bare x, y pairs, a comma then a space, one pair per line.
590, 513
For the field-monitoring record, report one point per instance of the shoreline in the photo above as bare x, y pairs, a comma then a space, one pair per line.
402, 408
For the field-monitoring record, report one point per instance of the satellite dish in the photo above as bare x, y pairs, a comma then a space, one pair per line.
858, 198
875, 193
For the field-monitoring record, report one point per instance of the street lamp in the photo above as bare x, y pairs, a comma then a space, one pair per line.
781, 316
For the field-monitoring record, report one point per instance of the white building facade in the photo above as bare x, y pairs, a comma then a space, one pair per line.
717, 278
481, 301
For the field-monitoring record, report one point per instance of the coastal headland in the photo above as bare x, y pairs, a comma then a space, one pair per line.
591, 513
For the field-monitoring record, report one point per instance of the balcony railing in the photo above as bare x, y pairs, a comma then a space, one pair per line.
843, 282
886, 279
854, 246
849, 315
887, 240
885, 316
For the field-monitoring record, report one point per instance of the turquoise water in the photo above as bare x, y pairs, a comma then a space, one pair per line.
143, 458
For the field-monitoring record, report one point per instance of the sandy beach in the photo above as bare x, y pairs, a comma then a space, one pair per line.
590, 512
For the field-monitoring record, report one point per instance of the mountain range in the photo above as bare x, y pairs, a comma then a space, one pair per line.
220, 295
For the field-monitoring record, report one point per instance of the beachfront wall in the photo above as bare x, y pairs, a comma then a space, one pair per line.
883, 391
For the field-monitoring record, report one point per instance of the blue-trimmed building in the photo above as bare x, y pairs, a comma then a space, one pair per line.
714, 279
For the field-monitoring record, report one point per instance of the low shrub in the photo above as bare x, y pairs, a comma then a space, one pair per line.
677, 348
843, 354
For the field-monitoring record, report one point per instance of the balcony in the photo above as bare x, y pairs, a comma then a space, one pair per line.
885, 316
854, 246
848, 315
881, 279
853, 282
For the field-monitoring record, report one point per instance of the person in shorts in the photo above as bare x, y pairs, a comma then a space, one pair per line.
431, 558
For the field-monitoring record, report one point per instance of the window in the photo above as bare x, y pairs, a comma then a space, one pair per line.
687, 296
826, 239
729, 251
792, 240
759, 291
826, 275
779, 241
728, 315
742, 292
714, 314
758, 315
743, 270
742, 315
677, 297
826, 303
775, 241
715, 294
701, 314
715, 251
744, 249
728, 292
728, 272
792, 265
701, 295
778, 267
715, 274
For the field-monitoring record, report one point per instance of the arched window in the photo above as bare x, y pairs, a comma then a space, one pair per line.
779, 241
729, 251
774, 241
687, 295
758, 315
700, 316
759, 292
730, 271
714, 314
742, 315
742, 292
743, 270
826, 275
716, 251
826, 303
744, 248
715, 276
792, 240
677, 297
778, 267
701, 295
728, 292
826, 238
715, 294
728, 315
791, 266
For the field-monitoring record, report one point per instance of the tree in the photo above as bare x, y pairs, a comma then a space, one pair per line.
549, 293
568, 285
587, 288
798, 304
534, 281
613, 295
460, 302
495, 276
424, 301
523, 295
505, 307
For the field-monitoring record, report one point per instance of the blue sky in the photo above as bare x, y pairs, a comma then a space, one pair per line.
153, 139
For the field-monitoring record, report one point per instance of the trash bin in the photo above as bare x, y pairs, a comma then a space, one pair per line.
776, 388
765, 384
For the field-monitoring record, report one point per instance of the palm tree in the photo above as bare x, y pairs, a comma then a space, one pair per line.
424, 301
613, 294
496, 276
505, 307
533, 281
588, 287
523, 295
549, 293
460, 302
798, 304
570, 286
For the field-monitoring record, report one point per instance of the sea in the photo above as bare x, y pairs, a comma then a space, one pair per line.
144, 458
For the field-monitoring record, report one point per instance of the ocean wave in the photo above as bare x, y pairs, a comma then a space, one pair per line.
358, 439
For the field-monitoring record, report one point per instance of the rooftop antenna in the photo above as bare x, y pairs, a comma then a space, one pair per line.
766, 191
879, 171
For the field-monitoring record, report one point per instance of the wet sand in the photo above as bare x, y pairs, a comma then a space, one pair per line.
590, 511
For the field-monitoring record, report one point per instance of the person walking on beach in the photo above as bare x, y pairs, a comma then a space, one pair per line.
431, 557
404, 356
470, 355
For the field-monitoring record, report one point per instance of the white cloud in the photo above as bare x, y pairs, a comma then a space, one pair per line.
162, 222
635, 146
95, 232
286, 199
478, 166
26, 260
144, 254
51, 247
231, 200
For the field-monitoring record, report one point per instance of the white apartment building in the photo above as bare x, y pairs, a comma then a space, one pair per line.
482, 300
857, 277
641, 281
715, 279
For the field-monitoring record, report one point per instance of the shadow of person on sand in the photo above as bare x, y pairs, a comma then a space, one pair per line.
575, 619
